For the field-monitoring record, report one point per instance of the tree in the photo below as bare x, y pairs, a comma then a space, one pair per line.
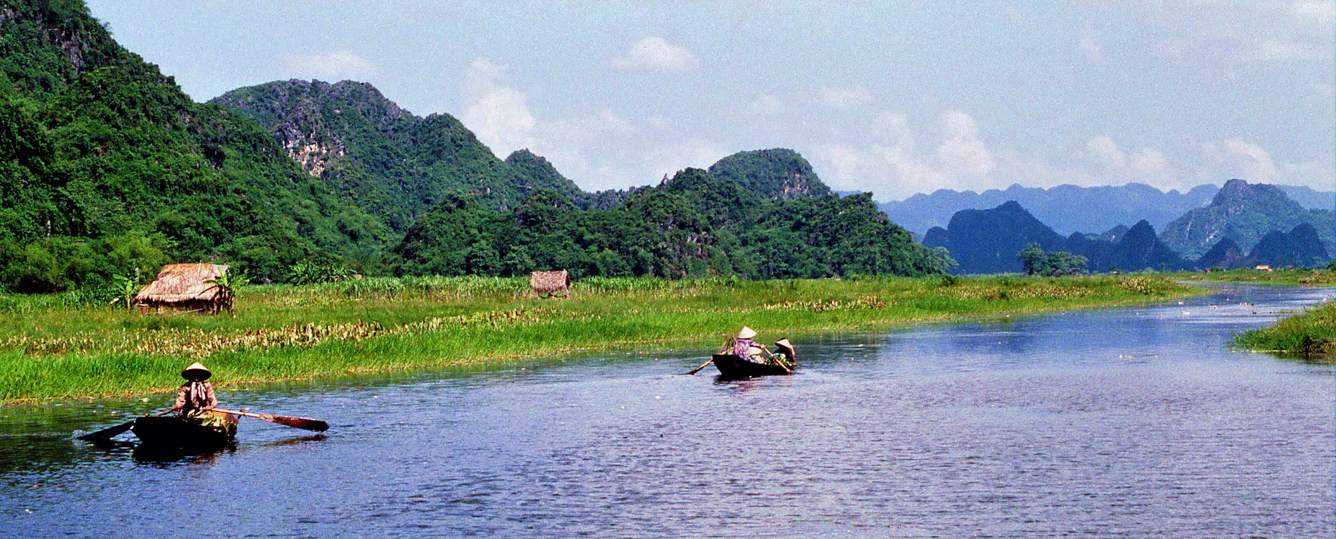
1058, 263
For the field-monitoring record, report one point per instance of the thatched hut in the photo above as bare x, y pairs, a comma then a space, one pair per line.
185, 287
547, 283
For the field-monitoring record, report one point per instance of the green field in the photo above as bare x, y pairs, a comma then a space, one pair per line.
53, 348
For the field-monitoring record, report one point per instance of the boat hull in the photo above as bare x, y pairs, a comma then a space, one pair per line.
194, 434
731, 366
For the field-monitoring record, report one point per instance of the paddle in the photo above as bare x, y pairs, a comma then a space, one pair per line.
111, 432
693, 372
285, 420
108, 433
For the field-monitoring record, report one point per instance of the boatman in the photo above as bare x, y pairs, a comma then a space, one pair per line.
195, 397
746, 347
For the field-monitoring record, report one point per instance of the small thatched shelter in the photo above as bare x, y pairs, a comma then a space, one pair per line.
547, 283
185, 287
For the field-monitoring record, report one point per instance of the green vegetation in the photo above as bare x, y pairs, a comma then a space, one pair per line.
111, 171
1036, 261
1305, 277
777, 173
1310, 335
693, 225
108, 167
387, 161
59, 347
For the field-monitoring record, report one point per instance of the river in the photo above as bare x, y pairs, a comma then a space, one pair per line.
1128, 421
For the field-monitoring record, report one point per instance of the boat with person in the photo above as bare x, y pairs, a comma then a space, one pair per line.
212, 430
731, 366
759, 360
195, 422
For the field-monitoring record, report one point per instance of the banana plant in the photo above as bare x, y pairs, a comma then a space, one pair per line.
227, 285
126, 288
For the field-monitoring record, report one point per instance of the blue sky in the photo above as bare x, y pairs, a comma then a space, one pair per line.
893, 98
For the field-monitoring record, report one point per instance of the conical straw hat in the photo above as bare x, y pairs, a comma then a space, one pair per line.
746, 333
196, 371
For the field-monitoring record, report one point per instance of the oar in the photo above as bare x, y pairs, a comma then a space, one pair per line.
702, 366
108, 433
112, 431
285, 420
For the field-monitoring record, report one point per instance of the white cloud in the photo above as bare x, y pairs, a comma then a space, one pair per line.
497, 113
655, 53
766, 104
1113, 165
1246, 160
335, 65
1149, 163
1106, 151
888, 162
1089, 44
1232, 32
962, 150
847, 97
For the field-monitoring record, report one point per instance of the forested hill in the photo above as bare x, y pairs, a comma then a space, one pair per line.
108, 166
777, 173
694, 224
386, 160
110, 170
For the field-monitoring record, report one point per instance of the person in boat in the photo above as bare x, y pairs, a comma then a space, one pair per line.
746, 347
195, 398
785, 354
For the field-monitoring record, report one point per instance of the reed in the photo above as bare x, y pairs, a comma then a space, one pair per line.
1309, 335
54, 347
1299, 276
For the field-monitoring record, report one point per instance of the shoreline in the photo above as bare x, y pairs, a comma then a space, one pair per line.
325, 333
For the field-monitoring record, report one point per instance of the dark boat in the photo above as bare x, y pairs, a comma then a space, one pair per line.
731, 366
215, 432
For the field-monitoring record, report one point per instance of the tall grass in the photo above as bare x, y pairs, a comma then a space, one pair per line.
60, 349
1307, 277
1311, 335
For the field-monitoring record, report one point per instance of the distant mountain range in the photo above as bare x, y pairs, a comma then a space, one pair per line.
1069, 208
1244, 213
1243, 225
987, 241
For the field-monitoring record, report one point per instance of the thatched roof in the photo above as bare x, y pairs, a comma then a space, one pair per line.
180, 283
549, 281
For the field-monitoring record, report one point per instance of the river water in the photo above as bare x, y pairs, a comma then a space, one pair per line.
1138, 421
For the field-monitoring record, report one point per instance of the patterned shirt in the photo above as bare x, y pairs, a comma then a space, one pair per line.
194, 397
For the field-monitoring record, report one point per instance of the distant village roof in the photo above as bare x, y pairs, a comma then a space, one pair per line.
182, 283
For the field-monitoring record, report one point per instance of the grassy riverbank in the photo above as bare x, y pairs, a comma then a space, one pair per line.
52, 349
1308, 277
1310, 334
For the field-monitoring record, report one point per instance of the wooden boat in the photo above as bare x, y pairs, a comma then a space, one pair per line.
731, 366
211, 432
